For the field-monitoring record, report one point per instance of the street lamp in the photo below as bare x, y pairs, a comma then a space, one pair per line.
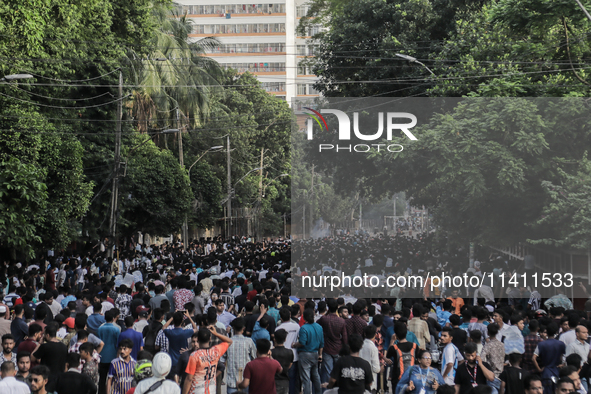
213, 148
265, 186
240, 180
414, 60
167, 131
186, 222
15, 76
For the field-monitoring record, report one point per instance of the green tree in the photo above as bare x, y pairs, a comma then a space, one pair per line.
23, 197
155, 194
176, 74
254, 120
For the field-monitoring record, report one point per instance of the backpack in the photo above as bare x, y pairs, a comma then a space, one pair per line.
150, 334
404, 360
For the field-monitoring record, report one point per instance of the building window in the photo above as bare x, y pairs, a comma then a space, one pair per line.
249, 48
273, 86
256, 67
301, 89
303, 70
301, 10
233, 9
240, 28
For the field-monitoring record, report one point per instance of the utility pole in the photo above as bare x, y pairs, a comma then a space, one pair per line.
260, 195
229, 202
311, 221
115, 187
304, 217
360, 216
184, 230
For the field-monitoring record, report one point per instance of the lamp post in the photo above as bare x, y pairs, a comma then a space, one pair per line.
260, 199
115, 190
12, 77
231, 189
167, 131
414, 60
186, 222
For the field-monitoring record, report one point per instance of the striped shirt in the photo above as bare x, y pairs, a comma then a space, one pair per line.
122, 374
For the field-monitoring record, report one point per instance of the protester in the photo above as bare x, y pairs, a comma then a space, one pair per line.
161, 365
310, 346
72, 381
259, 374
9, 384
351, 373
420, 378
121, 370
202, 367
242, 351
52, 353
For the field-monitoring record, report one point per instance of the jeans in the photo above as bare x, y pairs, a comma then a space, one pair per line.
282, 386
495, 385
295, 384
326, 367
308, 365
231, 390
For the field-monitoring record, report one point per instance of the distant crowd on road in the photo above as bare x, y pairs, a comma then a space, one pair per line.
220, 315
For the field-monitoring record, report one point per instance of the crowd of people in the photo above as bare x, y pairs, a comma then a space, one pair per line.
220, 316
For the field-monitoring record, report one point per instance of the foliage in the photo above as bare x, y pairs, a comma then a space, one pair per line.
566, 216
254, 120
155, 194
207, 194
23, 197
485, 171
62, 120
176, 74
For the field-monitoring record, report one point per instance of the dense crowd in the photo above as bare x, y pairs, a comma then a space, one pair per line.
221, 316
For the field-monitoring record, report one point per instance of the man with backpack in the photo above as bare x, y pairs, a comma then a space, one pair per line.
150, 332
401, 354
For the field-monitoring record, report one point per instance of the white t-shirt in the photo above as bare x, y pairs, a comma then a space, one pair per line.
293, 330
81, 278
453, 356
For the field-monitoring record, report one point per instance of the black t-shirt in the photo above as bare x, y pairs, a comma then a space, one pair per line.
285, 357
353, 375
460, 337
53, 355
391, 354
513, 378
465, 379
251, 322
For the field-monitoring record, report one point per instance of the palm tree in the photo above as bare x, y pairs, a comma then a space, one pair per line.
177, 74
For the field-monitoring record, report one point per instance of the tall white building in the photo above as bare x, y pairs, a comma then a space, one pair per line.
260, 38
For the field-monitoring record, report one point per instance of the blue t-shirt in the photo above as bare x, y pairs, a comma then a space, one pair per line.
109, 334
136, 338
177, 340
94, 321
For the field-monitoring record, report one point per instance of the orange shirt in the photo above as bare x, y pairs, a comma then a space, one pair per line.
457, 303
203, 365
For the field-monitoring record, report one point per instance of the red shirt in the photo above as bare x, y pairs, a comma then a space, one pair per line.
28, 345
251, 294
261, 372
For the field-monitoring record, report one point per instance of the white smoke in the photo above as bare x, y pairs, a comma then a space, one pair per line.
321, 229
